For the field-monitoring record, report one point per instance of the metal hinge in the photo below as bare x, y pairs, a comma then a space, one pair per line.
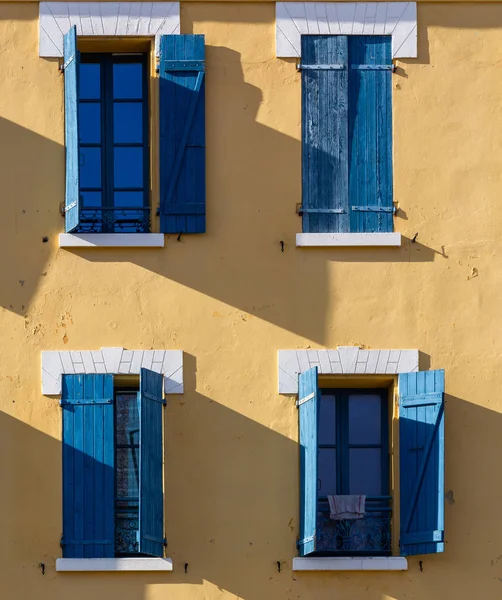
316, 211
64, 65
334, 67
305, 399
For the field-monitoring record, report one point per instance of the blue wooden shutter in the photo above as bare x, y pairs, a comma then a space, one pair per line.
370, 133
182, 134
88, 466
308, 401
324, 133
421, 458
151, 494
71, 73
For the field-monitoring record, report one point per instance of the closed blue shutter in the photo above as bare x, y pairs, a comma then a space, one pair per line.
421, 458
151, 500
370, 134
308, 401
324, 134
71, 72
88, 466
182, 134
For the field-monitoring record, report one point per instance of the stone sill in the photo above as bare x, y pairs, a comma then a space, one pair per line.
113, 564
348, 239
348, 563
111, 240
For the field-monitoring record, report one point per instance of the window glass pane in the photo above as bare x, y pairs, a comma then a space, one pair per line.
129, 199
127, 419
127, 80
365, 419
90, 122
91, 199
127, 122
128, 167
327, 415
90, 167
327, 471
89, 81
365, 471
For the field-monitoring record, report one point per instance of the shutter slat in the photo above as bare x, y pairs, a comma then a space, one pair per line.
151, 502
308, 410
88, 467
421, 457
182, 134
370, 134
71, 73
324, 133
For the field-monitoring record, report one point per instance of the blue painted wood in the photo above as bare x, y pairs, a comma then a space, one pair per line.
151, 501
421, 459
370, 133
308, 411
324, 134
71, 71
182, 134
88, 466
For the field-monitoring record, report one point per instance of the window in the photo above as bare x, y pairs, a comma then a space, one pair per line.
107, 139
344, 451
112, 467
346, 134
353, 459
113, 142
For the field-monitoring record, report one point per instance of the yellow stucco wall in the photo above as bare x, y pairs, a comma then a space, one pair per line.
230, 299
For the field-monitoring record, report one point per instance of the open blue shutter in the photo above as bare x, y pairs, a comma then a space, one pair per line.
421, 458
88, 466
370, 133
151, 494
182, 134
71, 73
308, 401
324, 134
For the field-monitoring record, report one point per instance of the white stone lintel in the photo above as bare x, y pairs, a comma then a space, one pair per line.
348, 563
114, 564
114, 361
398, 19
111, 240
348, 239
344, 360
105, 19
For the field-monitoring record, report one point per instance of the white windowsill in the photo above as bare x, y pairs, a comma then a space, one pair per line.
114, 564
111, 240
348, 563
348, 239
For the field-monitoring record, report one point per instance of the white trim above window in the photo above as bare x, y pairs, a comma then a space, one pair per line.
294, 19
114, 361
348, 563
344, 360
114, 564
149, 19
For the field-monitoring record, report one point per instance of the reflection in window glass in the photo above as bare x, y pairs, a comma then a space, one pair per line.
127, 81
364, 419
327, 471
90, 81
365, 471
327, 423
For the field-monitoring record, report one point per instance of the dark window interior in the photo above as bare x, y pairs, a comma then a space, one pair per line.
353, 458
126, 472
113, 138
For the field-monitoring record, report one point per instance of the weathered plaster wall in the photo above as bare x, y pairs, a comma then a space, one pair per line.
230, 299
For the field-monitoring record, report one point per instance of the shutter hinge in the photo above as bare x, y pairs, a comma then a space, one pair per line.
334, 67
69, 207
305, 399
319, 211
305, 541
67, 63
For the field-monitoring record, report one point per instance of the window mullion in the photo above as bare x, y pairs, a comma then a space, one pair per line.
108, 142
